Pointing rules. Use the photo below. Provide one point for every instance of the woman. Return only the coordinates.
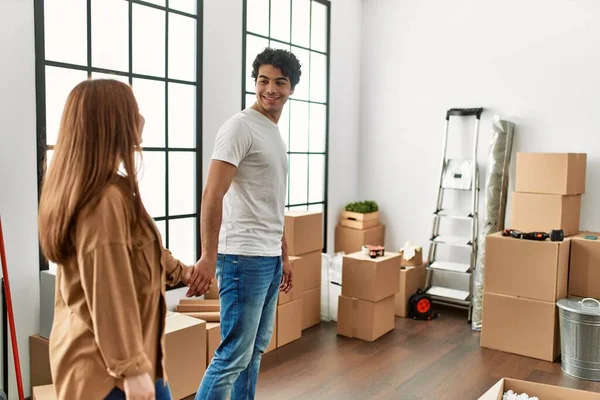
(107, 339)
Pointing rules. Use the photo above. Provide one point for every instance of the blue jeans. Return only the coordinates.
(248, 289)
(162, 392)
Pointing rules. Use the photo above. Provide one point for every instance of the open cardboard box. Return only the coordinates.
(542, 391)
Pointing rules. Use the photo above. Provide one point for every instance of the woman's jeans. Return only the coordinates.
(248, 290)
(162, 392)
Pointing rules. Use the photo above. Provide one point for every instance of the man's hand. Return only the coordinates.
(202, 277)
(139, 387)
(287, 277)
(187, 275)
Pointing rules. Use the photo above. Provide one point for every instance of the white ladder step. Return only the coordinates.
(460, 241)
(454, 214)
(448, 293)
(450, 266)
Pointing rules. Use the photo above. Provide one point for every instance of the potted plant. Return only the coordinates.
(360, 214)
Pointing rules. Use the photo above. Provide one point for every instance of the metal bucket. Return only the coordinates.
(579, 320)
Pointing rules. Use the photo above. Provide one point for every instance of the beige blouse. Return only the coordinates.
(110, 302)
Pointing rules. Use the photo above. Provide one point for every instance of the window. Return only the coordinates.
(155, 46)
(302, 27)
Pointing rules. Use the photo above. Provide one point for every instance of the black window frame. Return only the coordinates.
(327, 53)
(40, 75)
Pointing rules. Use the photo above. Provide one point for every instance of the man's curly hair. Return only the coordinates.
(282, 59)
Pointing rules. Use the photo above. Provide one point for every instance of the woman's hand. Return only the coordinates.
(139, 387)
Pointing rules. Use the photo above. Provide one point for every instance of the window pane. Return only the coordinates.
(49, 155)
(318, 27)
(274, 44)
(188, 6)
(315, 207)
(162, 228)
(298, 178)
(254, 45)
(287, 187)
(110, 34)
(301, 22)
(59, 83)
(301, 90)
(150, 96)
(182, 183)
(148, 41)
(316, 190)
(284, 124)
(318, 77)
(182, 47)
(98, 75)
(151, 179)
(298, 208)
(280, 20)
(318, 124)
(298, 126)
(250, 100)
(157, 2)
(182, 115)
(182, 239)
(257, 16)
(65, 38)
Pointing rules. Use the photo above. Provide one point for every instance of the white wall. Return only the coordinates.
(533, 62)
(18, 177)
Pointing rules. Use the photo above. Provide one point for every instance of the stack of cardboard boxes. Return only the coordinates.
(366, 307)
(412, 277)
(355, 230)
(523, 279)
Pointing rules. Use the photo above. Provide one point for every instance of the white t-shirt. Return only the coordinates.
(254, 205)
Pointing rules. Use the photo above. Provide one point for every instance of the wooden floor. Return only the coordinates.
(438, 359)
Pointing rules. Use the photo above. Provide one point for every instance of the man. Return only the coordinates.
(243, 238)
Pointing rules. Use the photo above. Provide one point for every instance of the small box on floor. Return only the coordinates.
(364, 319)
(520, 326)
(289, 322)
(584, 274)
(311, 308)
(534, 389)
(303, 232)
(349, 240)
(185, 352)
(411, 279)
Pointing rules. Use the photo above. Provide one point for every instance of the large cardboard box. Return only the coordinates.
(411, 279)
(213, 340)
(198, 305)
(545, 212)
(309, 267)
(311, 308)
(289, 322)
(365, 320)
(297, 281)
(185, 352)
(303, 232)
(39, 361)
(351, 240)
(371, 279)
(526, 268)
(584, 275)
(520, 326)
(551, 173)
(539, 390)
(45, 392)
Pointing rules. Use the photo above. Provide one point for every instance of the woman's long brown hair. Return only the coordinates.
(99, 132)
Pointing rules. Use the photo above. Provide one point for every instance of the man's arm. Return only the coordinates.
(288, 273)
(220, 176)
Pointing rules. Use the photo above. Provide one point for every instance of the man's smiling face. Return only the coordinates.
(272, 89)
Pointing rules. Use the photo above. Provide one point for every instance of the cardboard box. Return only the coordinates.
(45, 392)
(526, 268)
(309, 267)
(411, 279)
(289, 322)
(520, 326)
(584, 275)
(371, 279)
(185, 352)
(198, 305)
(365, 320)
(356, 220)
(297, 280)
(39, 361)
(311, 308)
(351, 240)
(542, 391)
(303, 232)
(213, 340)
(551, 173)
(415, 261)
(545, 212)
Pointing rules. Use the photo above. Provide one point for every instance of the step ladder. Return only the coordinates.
(451, 283)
